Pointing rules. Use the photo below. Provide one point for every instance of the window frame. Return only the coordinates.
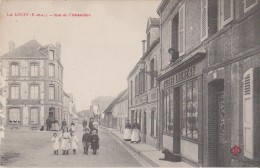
(19, 91)
(53, 74)
(38, 118)
(30, 91)
(18, 68)
(202, 38)
(38, 69)
(51, 97)
(52, 54)
(20, 113)
(246, 9)
(222, 22)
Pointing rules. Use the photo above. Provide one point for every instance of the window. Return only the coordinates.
(173, 42)
(58, 72)
(34, 91)
(14, 69)
(58, 93)
(145, 80)
(51, 54)
(14, 116)
(34, 69)
(140, 120)
(51, 92)
(249, 4)
(189, 115)
(226, 12)
(131, 92)
(15, 91)
(204, 20)
(168, 110)
(34, 116)
(148, 40)
(51, 70)
(152, 123)
(181, 30)
(152, 79)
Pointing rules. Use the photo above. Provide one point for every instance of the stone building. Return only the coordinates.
(143, 86)
(209, 81)
(68, 107)
(34, 87)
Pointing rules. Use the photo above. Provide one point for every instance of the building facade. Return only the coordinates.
(209, 81)
(143, 86)
(68, 107)
(34, 87)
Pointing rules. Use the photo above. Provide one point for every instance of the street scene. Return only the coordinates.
(130, 83)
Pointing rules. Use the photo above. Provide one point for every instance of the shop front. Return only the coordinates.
(181, 105)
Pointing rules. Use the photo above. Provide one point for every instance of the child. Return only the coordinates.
(94, 141)
(65, 143)
(86, 140)
(56, 143)
(74, 142)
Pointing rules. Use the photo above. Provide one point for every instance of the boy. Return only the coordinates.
(86, 140)
(94, 141)
(56, 143)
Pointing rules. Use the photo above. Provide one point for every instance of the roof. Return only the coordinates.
(152, 22)
(124, 97)
(30, 49)
(114, 102)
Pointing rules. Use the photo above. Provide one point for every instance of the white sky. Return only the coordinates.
(97, 52)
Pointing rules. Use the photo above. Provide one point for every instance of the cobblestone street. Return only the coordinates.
(30, 149)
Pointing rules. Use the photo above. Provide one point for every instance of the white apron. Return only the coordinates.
(65, 143)
(135, 135)
(127, 134)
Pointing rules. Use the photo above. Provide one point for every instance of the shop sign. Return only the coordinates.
(179, 77)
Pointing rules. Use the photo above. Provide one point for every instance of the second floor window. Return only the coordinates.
(51, 92)
(15, 91)
(34, 90)
(51, 70)
(14, 69)
(34, 69)
(152, 70)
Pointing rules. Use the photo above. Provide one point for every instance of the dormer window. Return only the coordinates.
(51, 54)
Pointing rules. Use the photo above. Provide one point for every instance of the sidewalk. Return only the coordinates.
(149, 153)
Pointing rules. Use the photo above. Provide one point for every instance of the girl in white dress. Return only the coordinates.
(65, 142)
(74, 142)
(56, 143)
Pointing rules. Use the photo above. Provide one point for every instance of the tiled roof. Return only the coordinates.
(114, 102)
(30, 49)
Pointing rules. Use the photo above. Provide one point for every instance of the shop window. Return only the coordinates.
(168, 111)
(249, 4)
(189, 114)
(34, 69)
(14, 116)
(34, 116)
(34, 91)
(14, 69)
(15, 91)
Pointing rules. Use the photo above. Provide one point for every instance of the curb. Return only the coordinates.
(147, 159)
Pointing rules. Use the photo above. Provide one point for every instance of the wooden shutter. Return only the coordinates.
(204, 20)
(248, 4)
(181, 29)
(227, 12)
(248, 113)
(170, 33)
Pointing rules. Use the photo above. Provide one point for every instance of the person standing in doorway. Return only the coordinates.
(48, 123)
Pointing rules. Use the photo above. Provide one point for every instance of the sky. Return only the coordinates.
(97, 51)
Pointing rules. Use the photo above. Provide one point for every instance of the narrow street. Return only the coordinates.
(34, 149)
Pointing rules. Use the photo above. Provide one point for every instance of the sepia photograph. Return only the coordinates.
(130, 83)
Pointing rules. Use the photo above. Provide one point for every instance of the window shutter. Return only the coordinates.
(227, 12)
(204, 20)
(182, 30)
(170, 33)
(248, 4)
(248, 113)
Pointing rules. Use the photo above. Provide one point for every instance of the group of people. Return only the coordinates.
(68, 140)
(132, 132)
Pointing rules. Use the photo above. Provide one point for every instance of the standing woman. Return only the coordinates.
(135, 134)
(128, 131)
(65, 142)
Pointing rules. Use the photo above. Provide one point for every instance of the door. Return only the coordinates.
(176, 118)
(52, 113)
(220, 109)
(144, 127)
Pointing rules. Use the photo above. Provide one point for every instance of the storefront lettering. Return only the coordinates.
(179, 77)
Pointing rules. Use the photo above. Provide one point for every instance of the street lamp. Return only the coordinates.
(141, 64)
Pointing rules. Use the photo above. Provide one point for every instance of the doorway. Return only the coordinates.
(52, 113)
(176, 119)
(217, 112)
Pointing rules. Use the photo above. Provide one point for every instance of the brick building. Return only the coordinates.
(34, 87)
(209, 80)
(143, 86)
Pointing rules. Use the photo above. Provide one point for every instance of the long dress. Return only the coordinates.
(135, 137)
(74, 142)
(128, 132)
(65, 143)
(56, 143)
(94, 142)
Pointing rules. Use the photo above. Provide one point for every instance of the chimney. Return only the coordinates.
(143, 41)
(11, 46)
